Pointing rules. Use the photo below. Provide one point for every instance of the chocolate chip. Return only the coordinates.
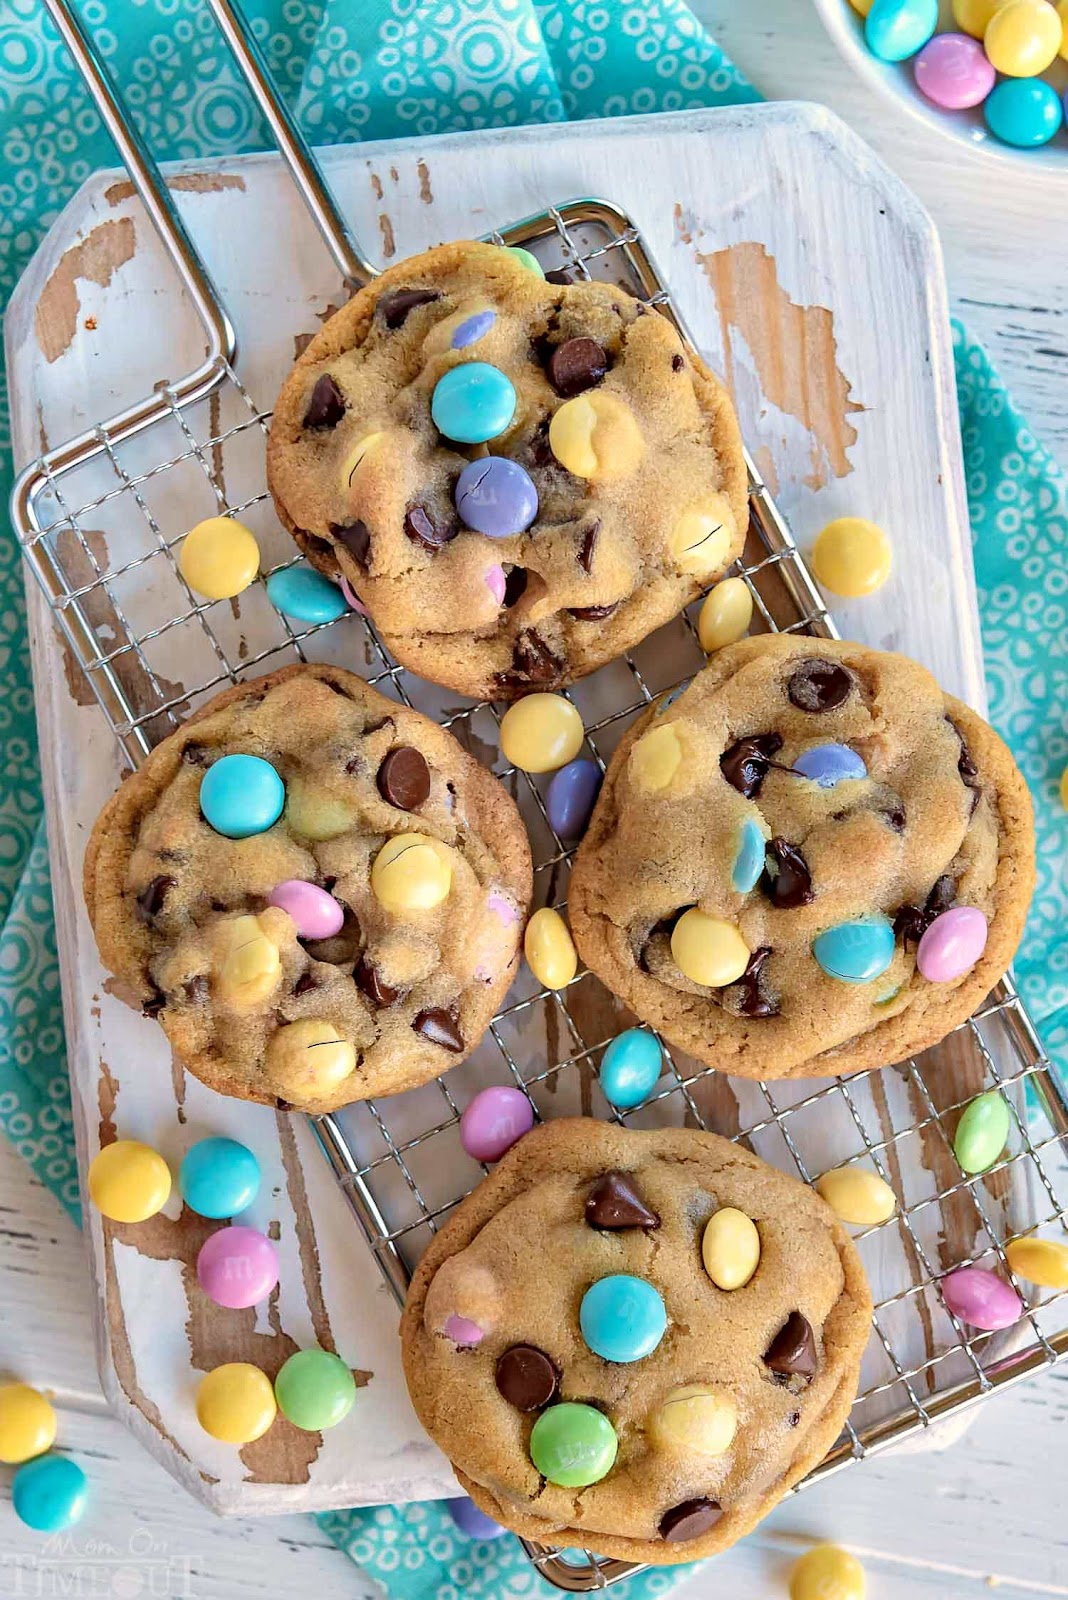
(910, 923)
(526, 1377)
(304, 983)
(792, 1352)
(689, 1520)
(424, 528)
(745, 765)
(196, 755)
(154, 1004)
(818, 685)
(589, 542)
(614, 1203)
(369, 981)
(150, 900)
(677, 363)
(440, 1027)
(749, 996)
(794, 1418)
(327, 404)
(515, 583)
(404, 778)
(539, 449)
(895, 818)
(396, 305)
(196, 989)
(356, 537)
(787, 881)
(576, 365)
(533, 662)
(560, 276)
(592, 613)
(965, 765)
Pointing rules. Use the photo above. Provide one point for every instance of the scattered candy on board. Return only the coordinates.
(953, 71)
(857, 1196)
(470, 1520)
(630, 1067)
(304, 594)
(219, 558)
(237, 1267)
(726, 614)
(315, 1390)
(896, 29)
(541, 732)
(730, 1248)
(622, 1318)
(241, 796)
(571, 796)
(236, 1403)
(550, 949)
(982, 1132)
(218, 1177)
(827, 1573)
(1041, 1261)
(27, 1423)
(1025, 112)
(573, 1445)
(129, 1181)
(981, 1299)
(852, 556)
(49, 1493)
(493, 1121)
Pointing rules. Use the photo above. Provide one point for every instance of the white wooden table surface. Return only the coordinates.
(986, 1515)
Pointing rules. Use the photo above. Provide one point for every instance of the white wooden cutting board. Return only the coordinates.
(810, 277)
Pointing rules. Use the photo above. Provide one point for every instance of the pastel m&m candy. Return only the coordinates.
(982, 1131)
(896, 29)
(473, 403)
(470, 1520)
(725, 615)
(237, 1267)
(695, 1420)
(129, 1181)
(981, 1299)
(953, 71)
(1023, 38)
(49, 1493)
(708, 950)
(972, 16)
(952, 944)
(241, 795)
(622, 1318)
(541, 732)
(1025, 112)
(306, 1060)
(27, 1423)
(218, 1177)
(496, 496)
(472, 328)
(573, 1445)
(306, 595)
(315, 1390)
(595, 436)
(493, 1121)
(748, 856)
(236, 1403)
(827, 1573)
(856, 951)
(550, 949)
(1041, 1261)
(219, 558)
(700, 538)
(411, 872)
(526, 258)
(655, 758)
(249, 963)
(570, 797)
(857, 1196)
(314, 814)
(730, 1248)
(315, 913)
(830, 764)
(852, 556)
(630, 1067)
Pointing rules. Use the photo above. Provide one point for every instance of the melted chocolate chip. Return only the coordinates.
(787, 881)
(196, 755)
(677, 363)
(356, 537)
(440, 1027)
(404, 778)
(396, 305)
(588, 545)
(592, 613)
(745, 765)
(794, 1418)
(424, 528)
(533, 662)
(576, 365)
(614, 1203)
(304, 983)
(196, 989)
(689, 1520)
(792, 1352)
(515, 583)
(909, 925)
(912, 922)
(749, 996)
(560, 276)
(154, 1004)
(369, 981)
(526, 1377)
(150, 900)
(818, 685)
(327, 404)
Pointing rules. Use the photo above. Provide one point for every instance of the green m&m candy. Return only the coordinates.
(982, 1132)
(314, 1390)
(573, 1445)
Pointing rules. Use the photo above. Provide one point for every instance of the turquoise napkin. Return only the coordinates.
(384, 68)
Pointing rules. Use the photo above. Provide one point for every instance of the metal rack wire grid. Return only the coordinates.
(100, 522)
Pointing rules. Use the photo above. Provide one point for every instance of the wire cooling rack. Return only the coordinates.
(100, 519)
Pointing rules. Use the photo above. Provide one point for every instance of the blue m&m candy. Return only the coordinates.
(305, 594)
(856, 952)
(496, 496)
(470, 1520)
(896, 29)
(219, 1177)
(749, 857)
(622, 1318)
(241, 795)
(630, 1067)
(49, 1493)
(472, 403)
(472, 329)
(1025, 112)
(570, 797)
(829, 764)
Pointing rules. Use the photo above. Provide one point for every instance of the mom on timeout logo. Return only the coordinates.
(94, 1569)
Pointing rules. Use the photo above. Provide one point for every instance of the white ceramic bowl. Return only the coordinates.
(895, 80)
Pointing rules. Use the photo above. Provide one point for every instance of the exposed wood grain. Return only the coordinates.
(97, 258)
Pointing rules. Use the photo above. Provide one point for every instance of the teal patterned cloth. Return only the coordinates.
(384, 68)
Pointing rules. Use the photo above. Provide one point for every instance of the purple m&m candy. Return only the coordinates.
(570, 798)
(237, 1267)
(317, 914)
(830, 764)
(472, 329)
(470, 1520)
(981, 1299)
(494, 1121)
(953, 71)
(496, 496)
(952, 944)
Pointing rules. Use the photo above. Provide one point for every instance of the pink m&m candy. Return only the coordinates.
(462, 1331)
(981, 1299)
(495, 582)
(237, 1267)
(952, 944)
(353, 598)
(493, 1122)
(317, 914)
(953, 71)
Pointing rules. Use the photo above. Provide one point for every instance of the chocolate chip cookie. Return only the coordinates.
(318, 894)
(626, 1401)
(520, 479)
(809, 862)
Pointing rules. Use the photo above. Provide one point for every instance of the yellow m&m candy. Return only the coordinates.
(1062, 12)
(725, 615)
(973, 16)
(219, 558)
(314, 814)
(541, 732)
(129, 1181)
(730, 1248)
(307, 1060)
(696, 1420)
(27, 1423)
(828, 1573)
(708, 950)
(1041, 1261)
(595, 436)
(701, 537)
(862, 7)
(236, 1403)
(411, 872)
(356, 457)
(250, 965)
(655, 758)
(858, 1196)
(1023, 38)
(550, 949)
(851, 557)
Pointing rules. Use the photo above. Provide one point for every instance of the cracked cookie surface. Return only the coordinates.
(570, 565)
(810, 861)
(744, 1392)
(358, 945)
